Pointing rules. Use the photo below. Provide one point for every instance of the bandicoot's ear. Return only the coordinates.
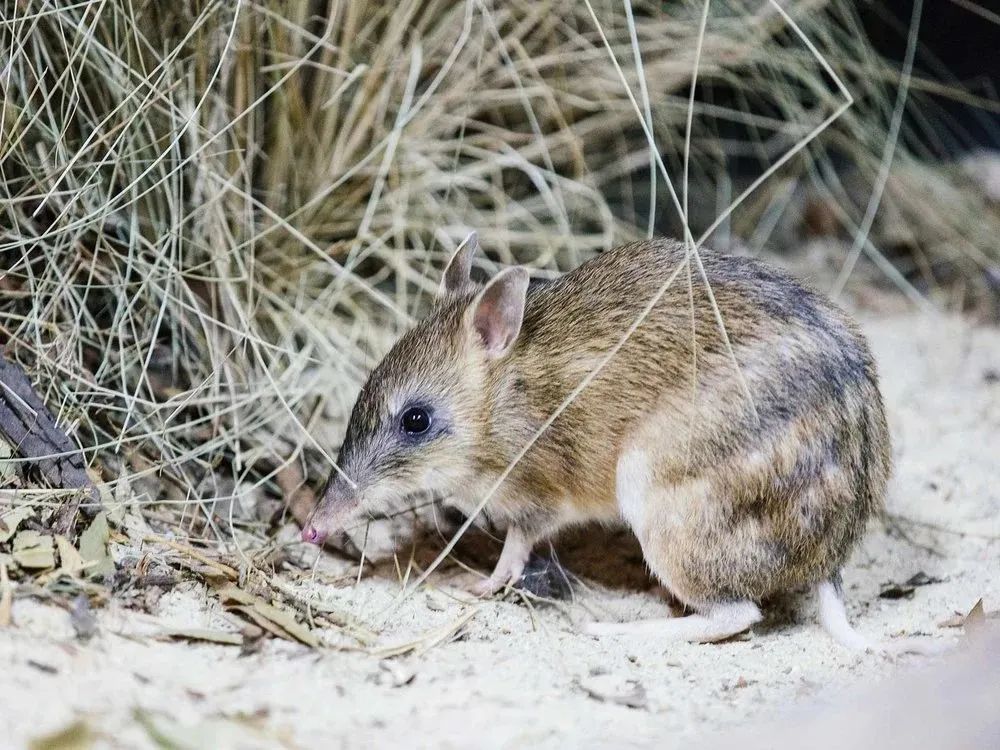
(458, 272)
(498, 310)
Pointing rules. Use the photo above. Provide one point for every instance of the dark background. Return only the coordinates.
(956, 45)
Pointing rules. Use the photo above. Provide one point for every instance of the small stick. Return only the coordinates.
(6, 597)
(32, 431)
(227, 571)
(299, 498)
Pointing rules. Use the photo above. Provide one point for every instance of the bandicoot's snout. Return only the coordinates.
(313, 535)
(335, 509)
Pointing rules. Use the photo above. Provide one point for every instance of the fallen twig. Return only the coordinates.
(32, 432)
(225, 570)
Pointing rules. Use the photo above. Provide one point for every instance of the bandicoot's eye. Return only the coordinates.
(415, 421)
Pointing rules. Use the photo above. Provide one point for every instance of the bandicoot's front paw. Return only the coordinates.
(485, 587)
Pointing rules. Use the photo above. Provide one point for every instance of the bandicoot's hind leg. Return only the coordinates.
(715, 623)
(655, 515)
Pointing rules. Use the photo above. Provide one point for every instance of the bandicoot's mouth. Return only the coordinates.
(313, 535)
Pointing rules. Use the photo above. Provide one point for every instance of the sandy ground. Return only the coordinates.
(516, 675)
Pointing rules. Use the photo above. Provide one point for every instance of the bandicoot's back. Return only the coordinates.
(795, 367)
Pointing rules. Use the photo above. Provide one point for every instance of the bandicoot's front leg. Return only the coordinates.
(510, 566)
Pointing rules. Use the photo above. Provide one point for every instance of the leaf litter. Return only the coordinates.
(279, 622)
(906, 589)
(34, 550)
(77, 735)
(52, 566)
(975, 619)
(245, 732)
(610, 688)
(94, 547)
(12, 519)
(221, 637)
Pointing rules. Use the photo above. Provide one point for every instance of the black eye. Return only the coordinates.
(415, 421)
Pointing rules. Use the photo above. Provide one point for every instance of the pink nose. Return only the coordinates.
(313, 535)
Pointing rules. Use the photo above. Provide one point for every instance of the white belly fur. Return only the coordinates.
(632, 483)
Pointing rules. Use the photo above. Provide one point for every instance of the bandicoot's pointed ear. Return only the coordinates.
(458, 272)
(498, 310)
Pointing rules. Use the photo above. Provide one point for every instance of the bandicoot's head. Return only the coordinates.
(420, 418)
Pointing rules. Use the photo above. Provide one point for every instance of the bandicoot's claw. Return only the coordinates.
(485, 587)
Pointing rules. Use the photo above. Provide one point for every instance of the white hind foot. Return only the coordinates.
(716, 623)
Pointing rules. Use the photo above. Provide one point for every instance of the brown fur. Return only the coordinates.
(744, 499)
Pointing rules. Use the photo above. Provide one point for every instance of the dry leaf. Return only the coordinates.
(975, 621)
(116, 506)
(8, 468)
(896, 591)
(920, 578)
(6, 598)
(235, 594)
(287, 622)
(134, 526)
(94, 547)
(957, 620)
(249, 613)
(12, 519)
(277, 621)
(331, 612)
(33, 550)
(905, 590)
(214, 567)
(610, 688)
(210, 732)
(223, 637)
(74, 736)
(70, 561)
